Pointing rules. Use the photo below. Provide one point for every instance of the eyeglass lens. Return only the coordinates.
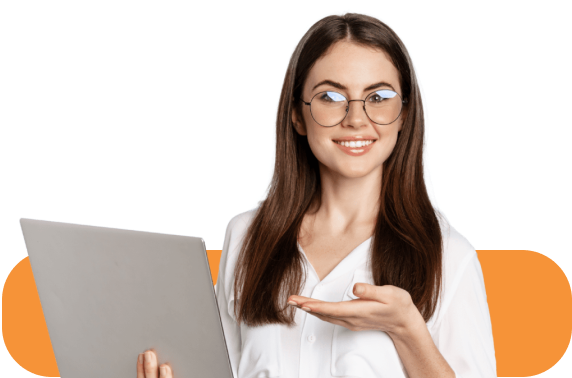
(330, 108)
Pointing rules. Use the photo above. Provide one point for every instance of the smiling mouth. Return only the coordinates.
(354, 144)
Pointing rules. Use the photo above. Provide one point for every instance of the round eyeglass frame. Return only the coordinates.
(403, 102)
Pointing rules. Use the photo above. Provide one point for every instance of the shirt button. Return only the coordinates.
(311, 338)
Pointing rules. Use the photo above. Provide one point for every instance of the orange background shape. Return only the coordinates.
(529, 297)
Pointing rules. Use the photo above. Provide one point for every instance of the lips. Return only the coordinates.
(355, 151)
(356, 137)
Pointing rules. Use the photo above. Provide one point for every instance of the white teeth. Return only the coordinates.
(359, 143)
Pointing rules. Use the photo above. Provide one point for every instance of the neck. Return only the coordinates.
(349, 202)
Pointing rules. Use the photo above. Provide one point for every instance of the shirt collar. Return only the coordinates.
(354, 259)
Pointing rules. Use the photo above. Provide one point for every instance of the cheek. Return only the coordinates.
(319, 137)
(320, 143)
(387, 140)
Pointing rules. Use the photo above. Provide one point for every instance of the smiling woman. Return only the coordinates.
(346, 269)
(357, 71)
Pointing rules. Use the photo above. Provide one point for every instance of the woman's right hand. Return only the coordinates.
(147, 366)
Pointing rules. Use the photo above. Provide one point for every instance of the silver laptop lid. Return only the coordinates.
(109, 294)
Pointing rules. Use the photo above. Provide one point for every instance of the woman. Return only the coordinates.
(346, 269)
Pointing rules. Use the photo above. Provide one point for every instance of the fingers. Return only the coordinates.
(165, 371)
(147, 366)
(140, 369)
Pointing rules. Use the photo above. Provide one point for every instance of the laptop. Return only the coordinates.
(109, 294)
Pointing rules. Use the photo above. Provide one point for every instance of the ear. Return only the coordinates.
(298, 122)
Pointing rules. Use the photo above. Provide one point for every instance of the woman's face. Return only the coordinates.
(354, 71)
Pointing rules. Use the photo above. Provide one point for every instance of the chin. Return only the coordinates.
(356, 172)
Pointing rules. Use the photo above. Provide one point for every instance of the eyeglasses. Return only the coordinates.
(330, 108)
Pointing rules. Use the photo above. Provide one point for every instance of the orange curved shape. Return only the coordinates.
(529, 299)
(530, 303)
(23, 326)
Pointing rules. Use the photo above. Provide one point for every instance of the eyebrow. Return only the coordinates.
(343, 87)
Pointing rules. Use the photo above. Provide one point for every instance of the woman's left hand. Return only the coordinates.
(386, 308)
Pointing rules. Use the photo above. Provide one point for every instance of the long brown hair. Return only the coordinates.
(407, 242)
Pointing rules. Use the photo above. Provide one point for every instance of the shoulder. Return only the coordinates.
(457, 250)
(235, 233)
(233, 239)
(240, 222)
(458, 256)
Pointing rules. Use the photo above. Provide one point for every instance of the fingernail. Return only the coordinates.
(148, 355)
(163, 371)
(306, 309)
(358, 289)
(140, 358)
(293, 303)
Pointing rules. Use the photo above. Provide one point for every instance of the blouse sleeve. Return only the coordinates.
(464, 334)
(225, 296)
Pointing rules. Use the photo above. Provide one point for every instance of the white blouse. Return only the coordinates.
(460, 327)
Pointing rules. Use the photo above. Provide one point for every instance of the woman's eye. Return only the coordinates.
(383, 94)
(331, 97)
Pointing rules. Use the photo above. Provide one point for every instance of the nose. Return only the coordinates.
(356, 117)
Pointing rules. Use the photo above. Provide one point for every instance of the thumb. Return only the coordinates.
(360, 289)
